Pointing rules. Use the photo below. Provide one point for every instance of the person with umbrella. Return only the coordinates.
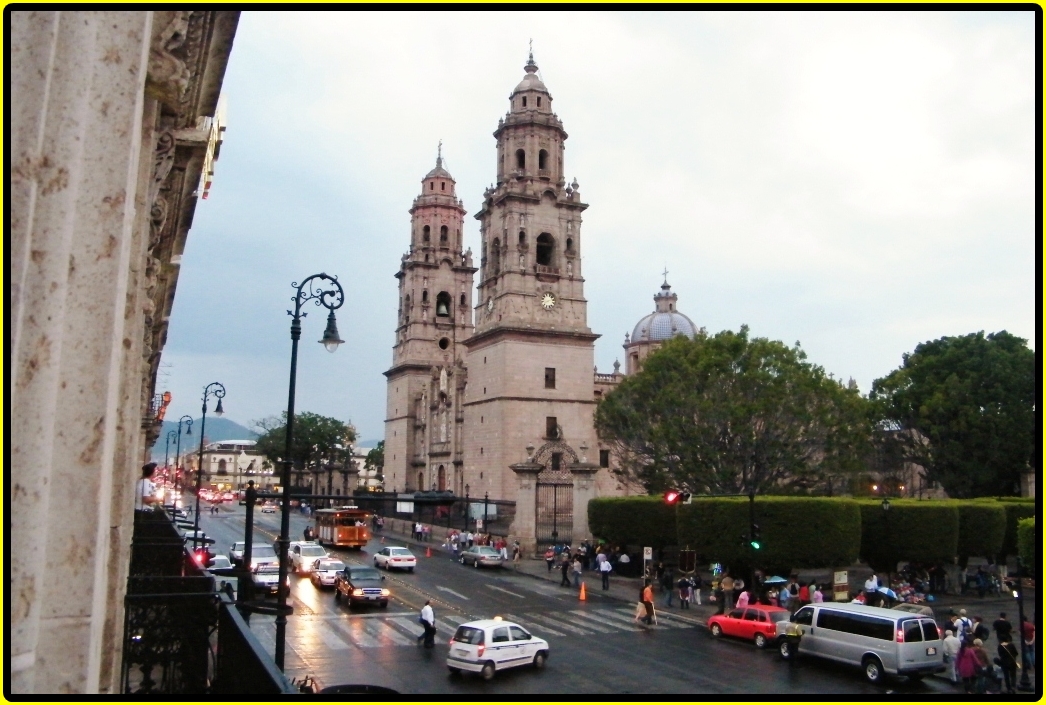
(888, 596)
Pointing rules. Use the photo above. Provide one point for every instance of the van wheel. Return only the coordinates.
(539, 660)
(454, 671)
(915, 677)
(873, 669)
(488, 671)
(785, 649)
(462, 560)
(760, 640)
(717, 631)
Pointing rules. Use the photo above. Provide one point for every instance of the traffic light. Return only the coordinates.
(754, 539)
(672, 496)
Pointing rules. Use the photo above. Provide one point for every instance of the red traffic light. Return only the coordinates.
(671, 497)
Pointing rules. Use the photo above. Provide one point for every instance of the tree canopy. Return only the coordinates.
(968, 403)
(375, 461)
(318, 440)
(728, 414)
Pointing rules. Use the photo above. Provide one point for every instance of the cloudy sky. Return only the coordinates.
(857, 182)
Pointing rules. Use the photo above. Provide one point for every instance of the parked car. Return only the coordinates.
(228, 496)
(490, 645)
(361, 585)
(480, 555)
(303, 554)
(236, 552)
(268, 508)
(266, 577)
(755, 622)
(881, 641)
(219, 562)
(325, 572)
(196, 536)
(395, 557)
(263, 554)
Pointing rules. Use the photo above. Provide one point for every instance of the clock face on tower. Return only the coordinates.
(548, 301)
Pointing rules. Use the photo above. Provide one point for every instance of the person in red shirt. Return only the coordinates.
(804, 594)
(1029, 644)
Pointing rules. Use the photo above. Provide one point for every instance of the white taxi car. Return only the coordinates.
(395, 557)
(490, 645)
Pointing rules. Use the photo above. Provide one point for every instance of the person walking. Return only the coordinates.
(1028, 629)
(1008, 662)
(818, 596)
(963, 626)
(684, 593)
(966, 665)
(577, 571)
(1003, 628)
(695, 588)
(647, 599)
(550, 558)
(517, 555)
(984, 667)
(742, 600)
(668, 585)
(727, 586)
(564, 568)
(428, 621)
(604, 572)
(951, 653)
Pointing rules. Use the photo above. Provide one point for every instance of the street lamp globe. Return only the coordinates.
(331, 340)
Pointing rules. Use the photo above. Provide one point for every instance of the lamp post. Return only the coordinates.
(1018, 594)
(486, 498)
(167, 448)
(187, 420)
(466, 508)
(217, 390)
(324, 290)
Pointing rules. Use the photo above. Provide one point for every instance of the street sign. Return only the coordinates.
(648, 553)
(841, 586)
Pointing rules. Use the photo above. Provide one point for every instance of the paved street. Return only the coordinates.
(595, 646)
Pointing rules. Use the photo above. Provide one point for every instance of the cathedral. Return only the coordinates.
(493, 387)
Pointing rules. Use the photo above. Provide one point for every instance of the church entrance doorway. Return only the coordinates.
(554, 503)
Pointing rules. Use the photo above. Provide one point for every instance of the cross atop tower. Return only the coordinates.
(665, 273)
(439, 154)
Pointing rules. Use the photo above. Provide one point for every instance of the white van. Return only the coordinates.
(880, 641)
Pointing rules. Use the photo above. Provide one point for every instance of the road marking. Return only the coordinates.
(356, 633)
(522, 623)
(456, 619)
(608, 619)
(329, 637)
(541, 619)
(508, 592)
(600, 627)
(382, 615)
(448, 590)
(384, 632)
(407, 626)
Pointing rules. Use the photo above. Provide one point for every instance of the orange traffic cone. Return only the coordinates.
(428, 552)
(582, 596)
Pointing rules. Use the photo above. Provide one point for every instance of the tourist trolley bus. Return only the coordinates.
(343, 526)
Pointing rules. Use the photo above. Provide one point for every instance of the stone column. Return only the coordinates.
(584, 490)
(524, 528)
(78, 95)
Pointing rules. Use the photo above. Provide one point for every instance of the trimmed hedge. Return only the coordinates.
(982, 528)
(1016, 508)
(1028, 545)
(795, 532)
(911, 530)
(635, 521)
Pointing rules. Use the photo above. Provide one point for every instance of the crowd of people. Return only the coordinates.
(969, 661)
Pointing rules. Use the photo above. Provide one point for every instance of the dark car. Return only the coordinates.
(361, 585)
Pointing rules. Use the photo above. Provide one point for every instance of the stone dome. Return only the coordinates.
(530, 82)
(665, 322)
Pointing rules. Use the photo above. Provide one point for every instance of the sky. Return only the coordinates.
(855, 182)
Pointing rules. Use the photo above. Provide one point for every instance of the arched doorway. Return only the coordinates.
(421, 482)
(554, 503)
(441, 478)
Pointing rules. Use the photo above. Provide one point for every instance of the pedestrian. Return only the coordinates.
(668, 585)
(648, 603)
(966, 665)
(980, 629)
(871, 590)
(550, 558)
(471, 539)
(804, 594)
(416, 532)
(818, 596)
(564, 569)
(577, 571)
(1008, 662)
(604, 573)
(517, 555)
(428, 621)
(1003, 628)
(951, 652)
(684, 593)
(727, 586)
(742, 600)
(984, 667)
(695, 588)
(145, 492)
(963, 626)
(1028, 630)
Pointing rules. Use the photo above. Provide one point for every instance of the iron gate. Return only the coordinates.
(555, 513)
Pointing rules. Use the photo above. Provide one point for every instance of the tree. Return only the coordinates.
(968, 403)
(375, 461)
(318, 440)
(729, 414)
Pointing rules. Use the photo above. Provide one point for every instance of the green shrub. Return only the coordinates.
(1028, 544)
(634, 521)
(982, 528)
(911, 530)
(795, 532)
(1016, 508)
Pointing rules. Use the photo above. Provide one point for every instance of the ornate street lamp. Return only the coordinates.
(217, 390)
(187, 420)
(167, 448)
(324, 290)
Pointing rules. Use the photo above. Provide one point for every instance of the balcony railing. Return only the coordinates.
(542, 269)
(180, 635)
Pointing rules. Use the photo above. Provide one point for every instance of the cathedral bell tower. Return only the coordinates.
(531, 357)
(427, 378)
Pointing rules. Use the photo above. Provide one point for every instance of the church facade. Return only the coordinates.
(495, 395)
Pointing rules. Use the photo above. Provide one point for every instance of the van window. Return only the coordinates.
(859, 624)
(912, 631)
(930, 631)
(805, 616)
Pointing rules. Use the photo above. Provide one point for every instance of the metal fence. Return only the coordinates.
(493, 516)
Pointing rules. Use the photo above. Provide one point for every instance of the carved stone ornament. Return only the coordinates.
(163, 162)
(168, 76)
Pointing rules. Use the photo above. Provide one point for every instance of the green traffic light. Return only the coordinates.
(755, 545)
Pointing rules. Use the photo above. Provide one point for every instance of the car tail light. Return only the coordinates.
(900, 636)
(480, 649)
(451, 642)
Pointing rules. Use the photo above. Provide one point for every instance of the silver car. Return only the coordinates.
(325, 572)
(481, 556)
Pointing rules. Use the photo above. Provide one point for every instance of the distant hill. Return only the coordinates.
(367, 444)
(218, 429)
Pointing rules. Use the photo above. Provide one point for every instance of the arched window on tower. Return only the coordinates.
(424, 297)
(426, 234)
(443, 235)
(522, 238)
(524, 101)
(443, 304)
(521, 159)
(464, 302)
(570, 244)
(542, 160)
(546, 248)
(406, 308)
(495, 256)
(441, 476)
(539, 101)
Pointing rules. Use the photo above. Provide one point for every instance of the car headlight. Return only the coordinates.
(357, 592)
(384, 592)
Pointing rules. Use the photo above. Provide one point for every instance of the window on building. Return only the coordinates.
(524, 101)
(221, 466)
(521, 159)
(443, 234)
(425, 296)
(539, 101)
(604, 458)
(546, 247)
(425, 233)
(570, 244)
(543, 159)
(550, 378)
(522, 238)
(557, 461)
(442, 185)
(551, 427)
(463, 301)
(495, 256)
